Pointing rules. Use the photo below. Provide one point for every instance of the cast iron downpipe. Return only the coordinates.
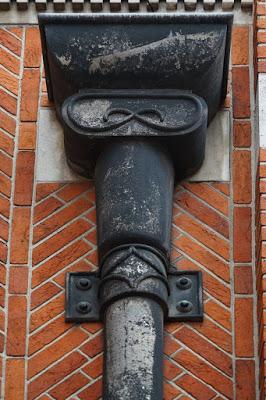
(134, 95)
(134, 185)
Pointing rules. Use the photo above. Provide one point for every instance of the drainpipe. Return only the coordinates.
(134, 95)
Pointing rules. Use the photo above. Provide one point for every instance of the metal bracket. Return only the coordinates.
(82, 304)
(185, 302)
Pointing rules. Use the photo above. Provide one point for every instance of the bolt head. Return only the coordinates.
(184, 306)
(84, 307)
(84, 284)
(184, 283)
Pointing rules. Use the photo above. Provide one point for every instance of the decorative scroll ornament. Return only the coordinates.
(146, 113)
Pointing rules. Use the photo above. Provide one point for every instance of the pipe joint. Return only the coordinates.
(134, 271)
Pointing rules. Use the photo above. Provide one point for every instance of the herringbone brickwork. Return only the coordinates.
(11, 57)
(64, 238)
(48, 229)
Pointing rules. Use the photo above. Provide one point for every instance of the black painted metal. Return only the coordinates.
(77, 295)
(175, 120)
(159, 51)
(134, 94)
(188, 291)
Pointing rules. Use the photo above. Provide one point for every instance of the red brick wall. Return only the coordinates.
(48, 229)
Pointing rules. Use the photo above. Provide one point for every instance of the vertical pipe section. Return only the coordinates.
(134, 350)
(134, 189)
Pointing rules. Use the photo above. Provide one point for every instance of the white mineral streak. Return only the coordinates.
(105, 62)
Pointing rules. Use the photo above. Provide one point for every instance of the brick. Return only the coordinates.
(7, 123)
(55, 374)
(59, 240)
(43, 294)
(10, 42)
(16, 31)
(262, 187)
(95, 368)
(218, 313)
(93, 392)
(44, 209)
(30, 95)
(261, 66)
(47, 312)
(245, 380)
(3, 252)
(262, 154)
(43, 190)
(170, 369)
(195, 387)
(45, 102)
(59, 261)
(20, 235)
(242, 133)
(24, 178)
(16, 330)
(2, 274)
(8, 102)
(8, 81)
(244, 327)
(203, 256)
(240, 45)
(71, 385)
(73, 190)
(261, 51)
(262, 170)
(27, 136)
(6, 143)
(94, 346)
(71, 341)
(44, 86)
(261, 8)
(204, 213)
(215, 334)
(261, 23)
(242, 234)
(2, 304)
(4, 229)
(15, 381)
(202, 347)
(243, 280)
(93, 327)
(92, 236)
(57, 220)
(170, 345)
(6, 164)
(241, 96)
(32, 55)
(170, 391)
(205, 372)
(5, 185)
(261, 37)
(18, 280)
(262, 206)
(202, 234)
(209, 195)
(48, 333)
(9, 61)
(2, 322)
(242, 176)
(93, 258)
